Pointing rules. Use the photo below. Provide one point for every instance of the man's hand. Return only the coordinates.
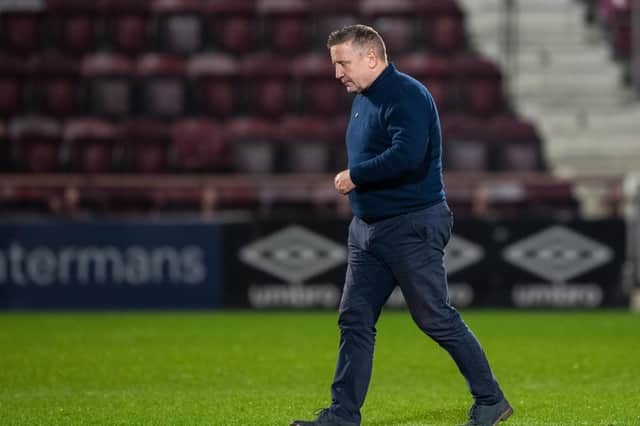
(343, 182)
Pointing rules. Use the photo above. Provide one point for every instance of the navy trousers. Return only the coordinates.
(405, 250)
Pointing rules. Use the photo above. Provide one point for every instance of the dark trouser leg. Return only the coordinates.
(420, 272)
(368, 285)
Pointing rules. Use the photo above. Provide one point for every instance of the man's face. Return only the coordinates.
(353, 66)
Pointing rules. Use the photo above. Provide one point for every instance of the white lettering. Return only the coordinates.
(194, 270)
(283, 296)
(557, 296)
(41, 266)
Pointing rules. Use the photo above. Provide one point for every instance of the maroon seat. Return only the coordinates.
(107, 79)
(180, 27)
(328, 16)
(11, 85)
(126, 25)
(214, 78)
(198, 144)
(481, 83)
(284, 24)
(266, 80)
(145, 144)
(442, 25)
(233, 25)
(162, 82)
(516, 144)
(35, 144)
(465, 145)
(54, 83)
(5, 150)
(435, 73)
(74, 23)
(306, 144)
(320, 92)
(89, 144)
(394, 21)
(20, 31)
(252, 141)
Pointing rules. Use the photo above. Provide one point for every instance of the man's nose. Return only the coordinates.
(339, 73)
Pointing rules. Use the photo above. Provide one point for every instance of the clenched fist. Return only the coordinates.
(343, 182)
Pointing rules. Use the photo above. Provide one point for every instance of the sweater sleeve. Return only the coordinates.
(407, 123)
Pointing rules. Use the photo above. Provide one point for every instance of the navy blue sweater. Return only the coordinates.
(394, 148)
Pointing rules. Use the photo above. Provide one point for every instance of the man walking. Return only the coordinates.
(400, 227)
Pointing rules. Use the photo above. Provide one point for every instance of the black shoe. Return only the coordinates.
(325, 418)
(489, 415)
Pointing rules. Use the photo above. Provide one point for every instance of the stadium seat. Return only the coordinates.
(284, 25)
(233, 25)
(11, 85)
(35, 144)
(465, 146)
(442, 25)
(179, 25)
(319, 91)
(328, 16)
(89, 145)
(480, 81)
(74, 24)
(20, 31)
(214, 80)
(516, 144)
(199, 144)
(53, 83)
(306, 144)
(107, 84)
(395, 22)
(252, 141)
(126, 25)
(434, 72)
(144, 144)
(267, 79)
(161, 79)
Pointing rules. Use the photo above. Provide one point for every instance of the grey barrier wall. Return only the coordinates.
(278, 265)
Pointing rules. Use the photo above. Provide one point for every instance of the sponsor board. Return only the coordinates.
(109, 265)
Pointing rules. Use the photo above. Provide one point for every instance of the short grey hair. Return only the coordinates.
(361, 36)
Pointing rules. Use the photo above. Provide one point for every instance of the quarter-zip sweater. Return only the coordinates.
(394, 148)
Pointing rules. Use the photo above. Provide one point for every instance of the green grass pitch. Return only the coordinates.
(257, 368)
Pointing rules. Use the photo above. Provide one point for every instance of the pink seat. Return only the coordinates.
(54, 83)
(126, 25)
(180, 28)
(306, 144)
(435, 73)
(285, 24)
(145, 144)
(74, 22)
(516, 144)
(442, 25)
(89, 143)
(198, 144)
(20, 31)
(395, 22)
(267, 79)
(162, 83)
(11, 85)
(320, 92)
(481, 83)
(252, 142)
(233, 25)
(108, 83)
(214, 78)
(465, 144)
(35, 144)
(328, 16)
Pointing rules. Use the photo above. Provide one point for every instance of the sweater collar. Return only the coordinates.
(378, 83)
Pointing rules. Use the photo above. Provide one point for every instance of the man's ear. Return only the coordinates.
(372, 58)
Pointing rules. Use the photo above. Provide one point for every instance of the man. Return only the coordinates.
(400, 227)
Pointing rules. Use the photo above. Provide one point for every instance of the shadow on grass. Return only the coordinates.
(442, 416)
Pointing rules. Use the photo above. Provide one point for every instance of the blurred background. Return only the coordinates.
(181, 153)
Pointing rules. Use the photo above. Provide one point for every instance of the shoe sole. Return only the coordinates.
(504, 416)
